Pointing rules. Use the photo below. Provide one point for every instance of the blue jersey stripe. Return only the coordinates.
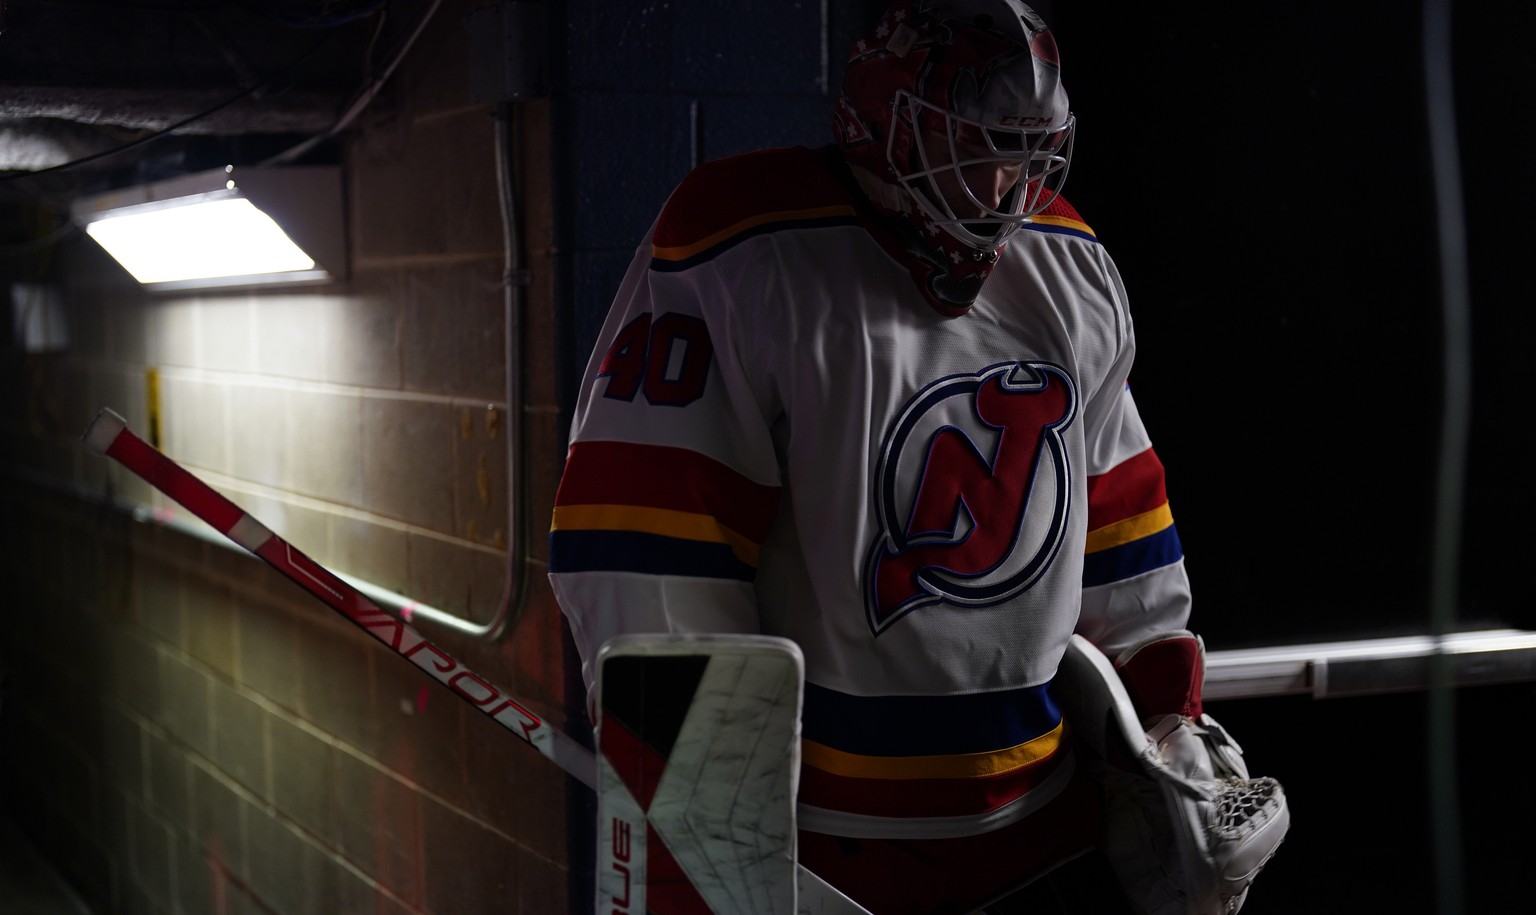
(927, 725)
(1131, 559)
(637, 551)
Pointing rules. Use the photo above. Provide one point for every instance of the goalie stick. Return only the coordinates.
(109, 435)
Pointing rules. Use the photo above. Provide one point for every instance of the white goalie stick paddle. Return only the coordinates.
(109, 435)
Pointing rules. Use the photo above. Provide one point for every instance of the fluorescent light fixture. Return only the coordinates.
(227, 227)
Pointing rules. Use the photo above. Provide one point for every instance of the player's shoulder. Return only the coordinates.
(1061, 218)
(723, 202)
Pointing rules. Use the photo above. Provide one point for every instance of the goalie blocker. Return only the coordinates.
(1186, 828)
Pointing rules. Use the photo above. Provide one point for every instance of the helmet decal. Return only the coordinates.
(1043, 47)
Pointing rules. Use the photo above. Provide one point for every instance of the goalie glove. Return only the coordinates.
(1186, 828)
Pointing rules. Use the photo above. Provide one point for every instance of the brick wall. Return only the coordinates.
(184, 731)
(187, 732)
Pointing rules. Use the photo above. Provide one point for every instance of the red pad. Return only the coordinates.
(668, 890)
(1165, 676)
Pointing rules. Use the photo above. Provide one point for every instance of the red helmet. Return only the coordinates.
(955, 108)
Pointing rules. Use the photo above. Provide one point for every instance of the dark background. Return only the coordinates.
(1264, 184)
(1261, 175)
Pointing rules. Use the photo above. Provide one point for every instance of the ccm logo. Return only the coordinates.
(1019, 120)
(621, 852)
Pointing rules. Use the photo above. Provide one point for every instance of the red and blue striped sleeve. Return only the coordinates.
(1130, 526)
(656, 509)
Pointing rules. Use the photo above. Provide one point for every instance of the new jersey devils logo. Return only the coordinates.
(972, 491)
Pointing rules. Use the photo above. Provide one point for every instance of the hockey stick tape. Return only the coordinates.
(103, 431)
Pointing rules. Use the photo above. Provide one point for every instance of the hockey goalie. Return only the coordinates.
(873, 399)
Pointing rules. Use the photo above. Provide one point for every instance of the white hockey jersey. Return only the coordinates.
(778, 434)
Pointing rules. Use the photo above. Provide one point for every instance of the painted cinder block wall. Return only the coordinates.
(182, 731)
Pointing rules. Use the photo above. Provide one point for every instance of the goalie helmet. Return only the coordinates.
(954, 118)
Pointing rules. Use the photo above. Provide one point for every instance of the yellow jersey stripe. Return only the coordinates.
(967, 765)
(1063, 222)
(663, 521)
(1133, 528)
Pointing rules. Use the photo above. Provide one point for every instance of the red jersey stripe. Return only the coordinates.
(676, 479)
(727, 192)
(1132, 487)
(921, 797)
